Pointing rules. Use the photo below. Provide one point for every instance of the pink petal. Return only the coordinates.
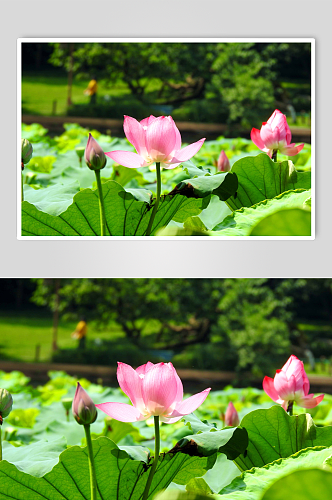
(256, 138)
(169, 166)
(190, 404)
(159, 388)
(309, 401)
(121, 412)
(167, 420)
(268, 386)
(231, 416)
(283, 386)
(135, 134)
(131, 384)
(296, 374)
(147, 120)
(81, 396)
(306, 385)
(179, 391)
(291, 362)
(127, 159)
(141, 370)
(178, 141)
(291, 150)
(274, 116)
(161, 137)
(269, 136)
(187, 152)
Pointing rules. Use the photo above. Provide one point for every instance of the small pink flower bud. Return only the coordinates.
(83, 407)
(94, 156)
(231, 416)
(223, 163)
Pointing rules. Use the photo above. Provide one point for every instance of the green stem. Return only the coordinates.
(101, 205)
(22, 195)
(93, 480)
(290, 408)
(0, 446)
(274, 155)
(155, 208)
(156, 458)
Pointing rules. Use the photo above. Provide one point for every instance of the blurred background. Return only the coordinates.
(218, 88)
(237, 329)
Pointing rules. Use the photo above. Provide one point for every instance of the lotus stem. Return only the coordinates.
(0, 444)
(156, 458)
(274, 155)
(101, 205)
(155, 208)
(93, 479)
(290, 408)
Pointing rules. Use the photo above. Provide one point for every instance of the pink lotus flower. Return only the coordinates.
(231, 416)
(155, 140)
(275, 135)
(223, 163)
(154, 390)
(291, 384)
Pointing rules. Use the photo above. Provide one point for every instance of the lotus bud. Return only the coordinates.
(231, 416)
(94, 156)
(83, 407)
(223, 163)
(26, 153)
(6, 404)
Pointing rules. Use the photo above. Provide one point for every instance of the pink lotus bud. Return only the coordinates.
(154, 390)
(275, 135)
(223, 163)
(231, 416)
(94, 156)
(290, 385)
(83, 408)
(156, 140)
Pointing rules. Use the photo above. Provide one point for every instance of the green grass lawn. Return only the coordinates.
(19, 335)
(39, 92)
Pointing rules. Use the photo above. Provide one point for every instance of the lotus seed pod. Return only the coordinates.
(67, 402)
(6, 403)
(80, 152)
(27, 150)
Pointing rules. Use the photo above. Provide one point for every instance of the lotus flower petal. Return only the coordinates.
(159, 388)
(121, 412)
(268, 386)
(187, 152)
(161, 138)
(309, 401)
(135, 134)
(291, 150)
(190, 404)
(131, 384)
(127, 159)
(256, 138)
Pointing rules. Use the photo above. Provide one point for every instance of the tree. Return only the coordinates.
(236, 79)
